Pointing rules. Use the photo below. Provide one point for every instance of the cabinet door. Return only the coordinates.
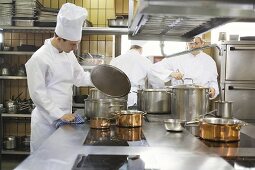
(243, 97)
(240, 61)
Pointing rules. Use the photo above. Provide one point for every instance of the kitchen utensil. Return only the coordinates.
(5, 71)
(110, 80)
(173, 125)
(220, 129)
(130, 118)
(96, 94)
(188, 102)
(100, 123)
(119, 21)
(224, 109)
(10, 142)
(154, 101)
(103, 107)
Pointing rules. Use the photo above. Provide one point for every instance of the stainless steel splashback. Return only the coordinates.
(183, 19)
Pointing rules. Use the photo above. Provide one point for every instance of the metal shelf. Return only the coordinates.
(15, 115)
(86, 30)
(17, 52)
(13, 77)
(15, 152)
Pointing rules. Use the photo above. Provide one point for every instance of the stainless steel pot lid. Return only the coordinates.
(110, 80)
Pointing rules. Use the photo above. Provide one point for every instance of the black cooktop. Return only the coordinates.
(108, 162)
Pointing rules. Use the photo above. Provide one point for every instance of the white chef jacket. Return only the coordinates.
(136, 67)
(51, 76)
(200, 68)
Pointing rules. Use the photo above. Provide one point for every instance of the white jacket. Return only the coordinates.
(51, 76)
(201, 68)
(136, 67)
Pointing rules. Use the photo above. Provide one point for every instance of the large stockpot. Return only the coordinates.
(104, 107)
(154, 101)
(189, 102)
(220, 129)
(130, 118)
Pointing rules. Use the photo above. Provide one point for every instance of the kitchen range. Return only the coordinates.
(149, 147)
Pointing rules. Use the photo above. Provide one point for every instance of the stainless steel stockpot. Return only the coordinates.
(104, 107)
(224, 109)
(96, 94)
(154, 100)
(189, 102)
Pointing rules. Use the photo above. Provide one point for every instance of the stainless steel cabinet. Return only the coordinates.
(243, 97)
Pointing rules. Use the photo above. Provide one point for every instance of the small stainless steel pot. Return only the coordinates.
(10, 142)
(174, 125)
(224, 109)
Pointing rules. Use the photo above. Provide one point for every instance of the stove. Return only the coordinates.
(108, 162)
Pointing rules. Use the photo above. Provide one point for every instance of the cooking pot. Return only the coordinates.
(220, 129)
(96, 94)
(119, 21)
(130, 118)
(224, 109)
(10, 142)
(154, 101)
(188, 102)
(103, 107)
(129, 134)
(100, 123)
(11, 106)
(5, 71)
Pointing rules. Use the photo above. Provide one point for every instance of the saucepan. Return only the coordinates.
(130, 118)
(224, 109)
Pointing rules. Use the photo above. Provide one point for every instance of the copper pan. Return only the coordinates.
(130, 118)
(219, 129)
(129, 134)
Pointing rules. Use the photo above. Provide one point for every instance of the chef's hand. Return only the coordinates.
(69, 117)
(211, 92)
(177, 75)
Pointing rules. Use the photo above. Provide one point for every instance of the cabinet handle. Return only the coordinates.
(241, 48)
(240, 88)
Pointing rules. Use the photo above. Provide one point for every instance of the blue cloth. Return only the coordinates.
(77, 120)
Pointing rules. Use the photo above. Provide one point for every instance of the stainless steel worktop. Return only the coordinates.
(165, 151)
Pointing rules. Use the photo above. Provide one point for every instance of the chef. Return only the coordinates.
(193, 68)
(51, 73)
(136, 67)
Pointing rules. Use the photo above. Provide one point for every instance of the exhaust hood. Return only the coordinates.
(181, 20)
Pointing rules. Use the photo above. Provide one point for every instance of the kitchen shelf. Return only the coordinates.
(15, 152)
(15, 115)
(13, 77)
(86, 30)
(17, 52)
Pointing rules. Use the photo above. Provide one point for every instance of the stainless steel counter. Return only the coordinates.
(165, 151)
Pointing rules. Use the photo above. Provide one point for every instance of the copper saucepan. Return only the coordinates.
(220, 129)
(100, 123)
(130, 118)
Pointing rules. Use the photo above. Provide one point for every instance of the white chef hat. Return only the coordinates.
(138, 42)
(70, 20)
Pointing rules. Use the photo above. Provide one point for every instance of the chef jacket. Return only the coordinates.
(51, 76)
(200, 68)
(136, 67)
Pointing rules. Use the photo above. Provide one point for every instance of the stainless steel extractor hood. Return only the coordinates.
(180, 20)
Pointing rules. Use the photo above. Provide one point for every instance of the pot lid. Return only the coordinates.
(110, 80)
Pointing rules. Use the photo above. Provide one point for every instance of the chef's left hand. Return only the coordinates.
(211, 92)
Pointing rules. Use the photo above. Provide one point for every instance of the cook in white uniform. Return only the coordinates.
(195, 67)
(136, 67)
(51, 73)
